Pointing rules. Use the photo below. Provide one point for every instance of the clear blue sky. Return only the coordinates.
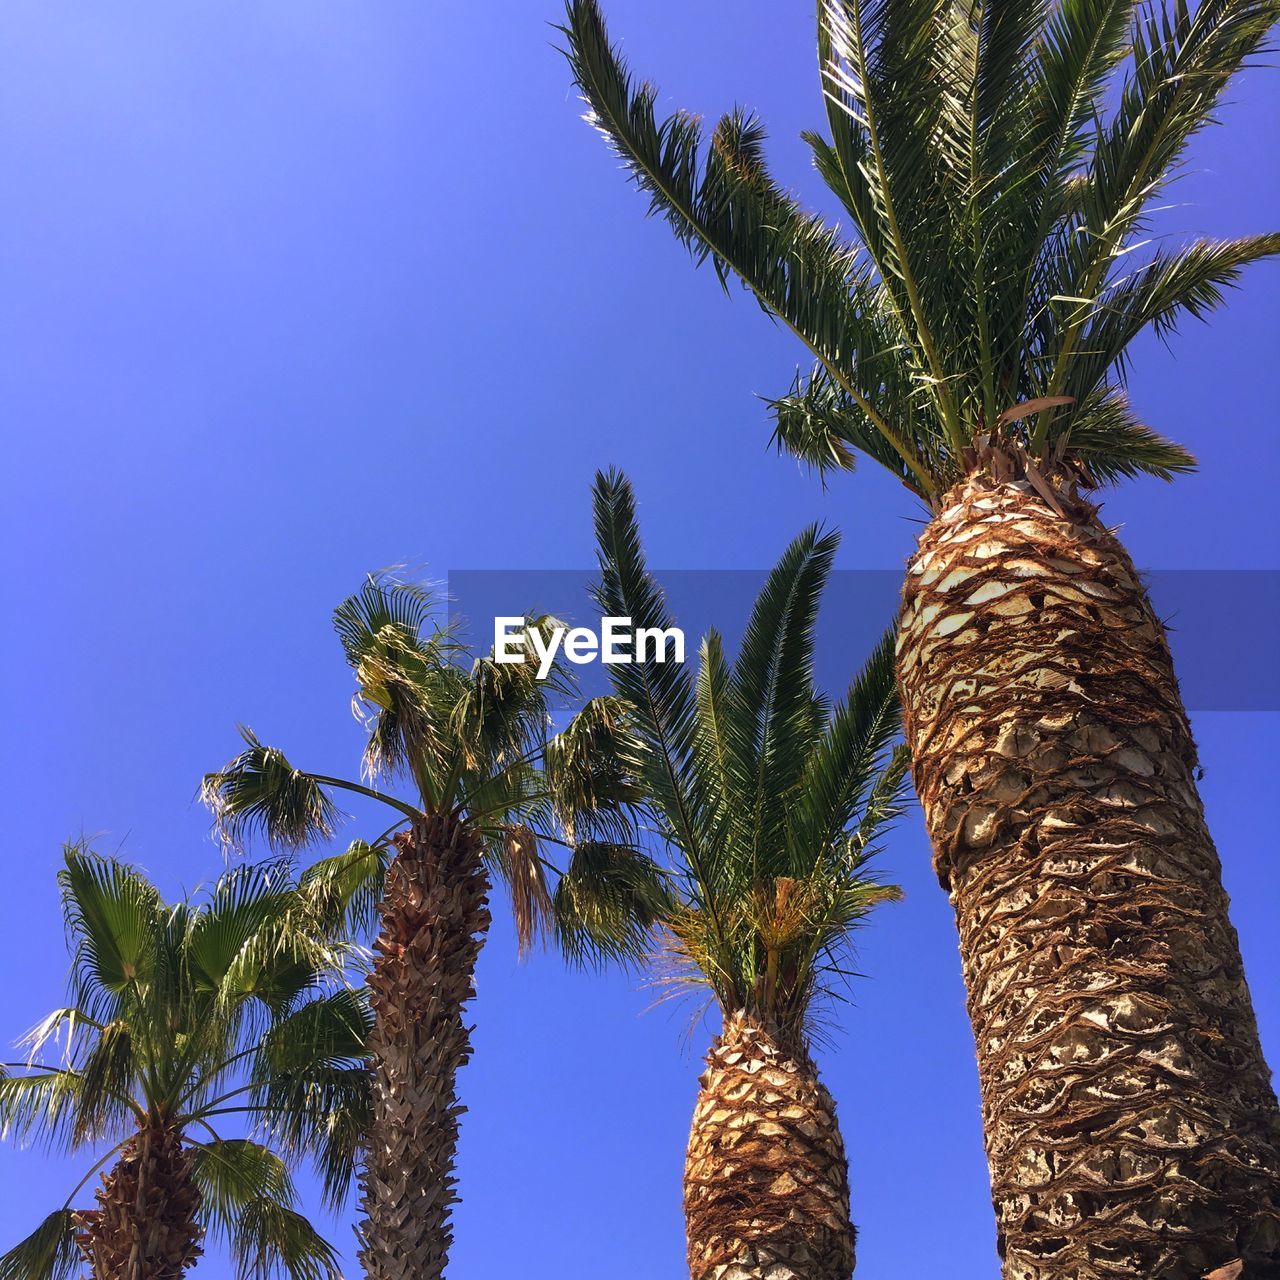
(293, 290)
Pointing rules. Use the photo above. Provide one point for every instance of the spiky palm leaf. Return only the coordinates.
(998, 162)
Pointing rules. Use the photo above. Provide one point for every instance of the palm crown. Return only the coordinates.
(998, 160)
(474, 739)
(185, 1016)
(770, 797)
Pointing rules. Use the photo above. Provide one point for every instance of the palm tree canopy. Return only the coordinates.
(997, 160)
(771, 798)
(223, 1006)
(472, 737)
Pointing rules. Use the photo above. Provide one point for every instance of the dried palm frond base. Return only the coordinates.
(145, 1225)
(766, 1191)
(434, 919)
(1130, 1122)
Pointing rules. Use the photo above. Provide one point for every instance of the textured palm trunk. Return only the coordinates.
(434, 917)
(766, 1183)
(1131, 1126)
(145, 1225)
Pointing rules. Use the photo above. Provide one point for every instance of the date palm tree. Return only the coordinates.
(770, 801)
(997, 161)
(491, 786)
(184, 1018)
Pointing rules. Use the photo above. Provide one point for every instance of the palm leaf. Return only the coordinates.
(48, 1253)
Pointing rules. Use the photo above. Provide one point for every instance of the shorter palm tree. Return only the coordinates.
(771, 801)
(491, 785)
(184, 1018)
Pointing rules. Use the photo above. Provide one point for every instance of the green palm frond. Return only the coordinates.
(312, 1084)
(232, 1173)
(1111, 442)
(774, 714)
(42, 1103)
(850, 759)
(999, 162)
(768, 801)
(273, 1239)
(345, 889)
(608, 902)
(48, 1253)
(259, 792)
(111, 914)
(589, 770)
(724, 207)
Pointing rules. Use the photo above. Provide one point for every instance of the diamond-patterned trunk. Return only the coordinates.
(434, 917)
(144, 1227)
(766, 1184)
(1131, 1126)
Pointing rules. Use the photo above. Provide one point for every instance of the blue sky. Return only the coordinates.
(295, 290)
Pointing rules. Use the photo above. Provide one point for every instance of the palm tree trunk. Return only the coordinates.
(434, 917)
(766, 1183)
(1131, 1126)
(145, 1225)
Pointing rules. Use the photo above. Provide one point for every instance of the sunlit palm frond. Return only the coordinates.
(345, 889)
(111, 913)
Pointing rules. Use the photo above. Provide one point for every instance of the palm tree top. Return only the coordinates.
(998, 161)
(770, 799)
(473, 739)
(226, 1007)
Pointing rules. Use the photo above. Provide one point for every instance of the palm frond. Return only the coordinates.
(724, 207)
(260, 793)
(346, 888)
(272, 1239)
(48, 1253)
(589, 768)
(850, 758)
(608, 902)
(520, 865)
(772, 719)
(111, 913)
(39, 1106)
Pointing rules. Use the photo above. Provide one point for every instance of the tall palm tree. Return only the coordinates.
(491, 786)
(770, 800)
(997, 160)
(183, 1018)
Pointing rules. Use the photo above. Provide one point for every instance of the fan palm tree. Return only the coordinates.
(770, 800)
(184, 1017)
(997, 160)
(491, 786)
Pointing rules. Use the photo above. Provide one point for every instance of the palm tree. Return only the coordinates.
(997, 160)
(183, 1017)
(771, 801)
(492, 786)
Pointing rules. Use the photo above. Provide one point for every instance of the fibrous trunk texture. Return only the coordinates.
(1131, 1126)
(145, 1225)
(766, 1184)
(434, 917)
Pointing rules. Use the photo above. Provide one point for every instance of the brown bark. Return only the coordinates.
(434, 916)
(766, 1190)
(145, 1225)
(1131, 1126)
